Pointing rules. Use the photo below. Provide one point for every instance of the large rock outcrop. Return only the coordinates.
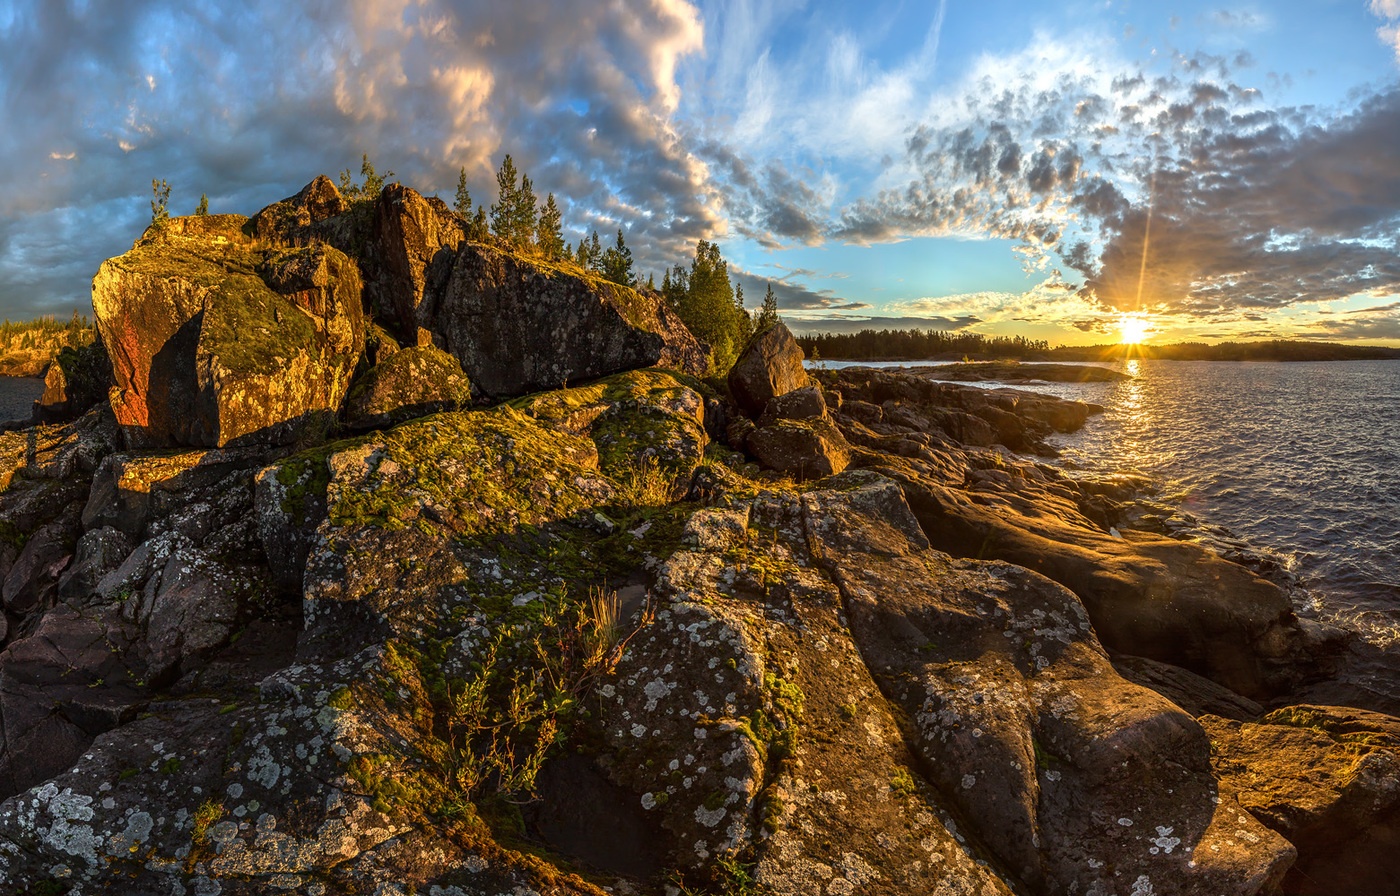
(521, 326)
(413, 241)
(769, 366)
(217, 341)
(516, 324)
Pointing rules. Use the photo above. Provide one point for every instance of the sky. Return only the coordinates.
(1224, 170)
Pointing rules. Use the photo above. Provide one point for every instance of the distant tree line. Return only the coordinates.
(916, 344)
(942, 345)
(1270, 350)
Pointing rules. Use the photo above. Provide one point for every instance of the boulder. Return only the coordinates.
(806, 403)
(217, 340)
(413, 240)
(77, 379)
(769, 366)
(283, 222)
(1328, 779)
(412, 382)
(519, 326)
(804, 449)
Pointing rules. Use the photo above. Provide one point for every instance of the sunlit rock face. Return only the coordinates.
(794, 434)
(769, 366)
(412, 382)
(217, 340)
(1328, 779)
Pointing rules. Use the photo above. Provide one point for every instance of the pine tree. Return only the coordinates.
(767, 315)
(616, 263)
(549, 236)
(161, 199)
(203, 208)
(480, 229)
(463, 205)
(524, 217)
(507, 195)
(704, 299)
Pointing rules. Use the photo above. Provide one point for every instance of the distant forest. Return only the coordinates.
(940, 345)
(920, 345)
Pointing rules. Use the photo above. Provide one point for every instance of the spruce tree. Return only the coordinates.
(549, 236)
(507, 195)
(203, 208)
(768, 314)
(595, 253)
(617, 263)
(524, 217)
(463, 205)
(706, 306)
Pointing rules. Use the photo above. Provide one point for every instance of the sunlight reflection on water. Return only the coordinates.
(1302, 459)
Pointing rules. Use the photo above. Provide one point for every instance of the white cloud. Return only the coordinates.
(256, 98)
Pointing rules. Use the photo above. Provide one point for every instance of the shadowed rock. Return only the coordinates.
(769, 366)
(519, 326)
(412, 382)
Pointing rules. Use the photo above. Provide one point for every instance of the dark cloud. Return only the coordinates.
(846, 324)
(791, 295)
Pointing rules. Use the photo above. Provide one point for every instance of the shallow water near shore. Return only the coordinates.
(1299, 458)
(1302, 460)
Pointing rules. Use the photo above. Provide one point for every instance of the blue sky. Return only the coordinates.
(995, 166)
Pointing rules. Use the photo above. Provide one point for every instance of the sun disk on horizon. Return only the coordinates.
(1133, 328)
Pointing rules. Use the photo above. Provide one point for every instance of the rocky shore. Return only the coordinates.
(397, 563)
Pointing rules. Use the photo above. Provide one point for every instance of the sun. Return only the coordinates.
(1133, 328)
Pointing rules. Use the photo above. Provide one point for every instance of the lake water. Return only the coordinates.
(1302, 459)
(17, 396)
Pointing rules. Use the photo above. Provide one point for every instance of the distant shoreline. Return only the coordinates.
(1394, 356)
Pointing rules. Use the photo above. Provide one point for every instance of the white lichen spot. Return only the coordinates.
(1126, 822)
(969, 781)
(709, 817)
(1165, 841)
